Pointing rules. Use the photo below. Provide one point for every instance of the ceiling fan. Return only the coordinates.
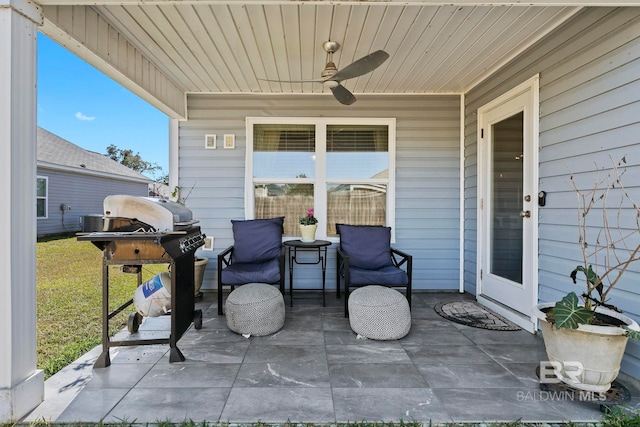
(331, 77)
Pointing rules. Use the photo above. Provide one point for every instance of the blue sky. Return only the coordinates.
(84, 106)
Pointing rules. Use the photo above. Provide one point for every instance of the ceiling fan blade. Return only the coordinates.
(343, 95)
(362, 66)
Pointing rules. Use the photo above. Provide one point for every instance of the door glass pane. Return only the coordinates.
(507, 150)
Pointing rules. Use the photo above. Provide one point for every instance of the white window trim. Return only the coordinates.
(320, 189)
(46, 198)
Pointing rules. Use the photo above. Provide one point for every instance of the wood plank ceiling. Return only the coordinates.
(230, 48)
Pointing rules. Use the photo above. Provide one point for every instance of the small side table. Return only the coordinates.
(320, 246)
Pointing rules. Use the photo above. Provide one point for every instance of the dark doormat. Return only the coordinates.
(471, 313)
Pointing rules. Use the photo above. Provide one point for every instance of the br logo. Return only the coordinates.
(551, 371)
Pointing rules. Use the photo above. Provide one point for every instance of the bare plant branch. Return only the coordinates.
(614, 248)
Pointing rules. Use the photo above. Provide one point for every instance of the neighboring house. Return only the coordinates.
(73, 182)
(563, 82)
(159, 190)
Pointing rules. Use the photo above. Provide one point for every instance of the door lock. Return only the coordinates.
(525, 214)
(542, 198)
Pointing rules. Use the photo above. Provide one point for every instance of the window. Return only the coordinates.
(42, 189)
(343, 168)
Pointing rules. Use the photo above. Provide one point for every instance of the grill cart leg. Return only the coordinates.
(197, 319)
(104, 360)
(176, 355)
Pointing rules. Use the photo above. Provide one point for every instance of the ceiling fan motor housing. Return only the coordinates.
(329, 70)
(330, 47)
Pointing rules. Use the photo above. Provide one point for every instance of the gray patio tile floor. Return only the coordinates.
(316, 370)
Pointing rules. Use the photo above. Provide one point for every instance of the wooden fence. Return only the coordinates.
(356, 207)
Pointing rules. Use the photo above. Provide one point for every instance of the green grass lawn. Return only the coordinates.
(69, 299)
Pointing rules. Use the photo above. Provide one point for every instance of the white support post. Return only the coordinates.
(174, 153)
(21, 383)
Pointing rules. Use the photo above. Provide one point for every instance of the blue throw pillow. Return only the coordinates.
(257, 240)
(368, 246)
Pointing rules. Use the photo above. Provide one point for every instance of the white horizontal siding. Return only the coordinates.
(589, 114)
(427, 171)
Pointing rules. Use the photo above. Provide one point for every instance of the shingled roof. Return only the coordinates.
(56, 152)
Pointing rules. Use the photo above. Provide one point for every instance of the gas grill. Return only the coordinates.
(146, 230)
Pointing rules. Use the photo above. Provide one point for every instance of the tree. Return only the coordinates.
(299, 189)
(163, 179)
(130, 160)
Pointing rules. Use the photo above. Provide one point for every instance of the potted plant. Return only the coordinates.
(308, 226)
(199, 266)
(585, 337)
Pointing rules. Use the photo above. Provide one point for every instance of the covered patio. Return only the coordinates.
(315, 370)
(567, 72)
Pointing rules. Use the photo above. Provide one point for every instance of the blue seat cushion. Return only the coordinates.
(386, 276)
(256, 240)
(368, 247)
(240, 273)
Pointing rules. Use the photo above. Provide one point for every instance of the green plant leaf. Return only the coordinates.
(634, 335)
(569, 315)
(593, 280)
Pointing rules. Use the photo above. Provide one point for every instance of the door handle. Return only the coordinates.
(525, 214)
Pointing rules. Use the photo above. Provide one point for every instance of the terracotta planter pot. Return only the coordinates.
(199, 266)
(592, 353)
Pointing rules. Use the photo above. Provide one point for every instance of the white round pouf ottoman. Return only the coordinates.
(255, 309)
(379, 313)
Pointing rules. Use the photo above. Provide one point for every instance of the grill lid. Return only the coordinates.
(162, 215)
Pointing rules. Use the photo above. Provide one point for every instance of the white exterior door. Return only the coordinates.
(508, 204)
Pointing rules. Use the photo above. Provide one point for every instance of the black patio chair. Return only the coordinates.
(365, 257)
(256, 256)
